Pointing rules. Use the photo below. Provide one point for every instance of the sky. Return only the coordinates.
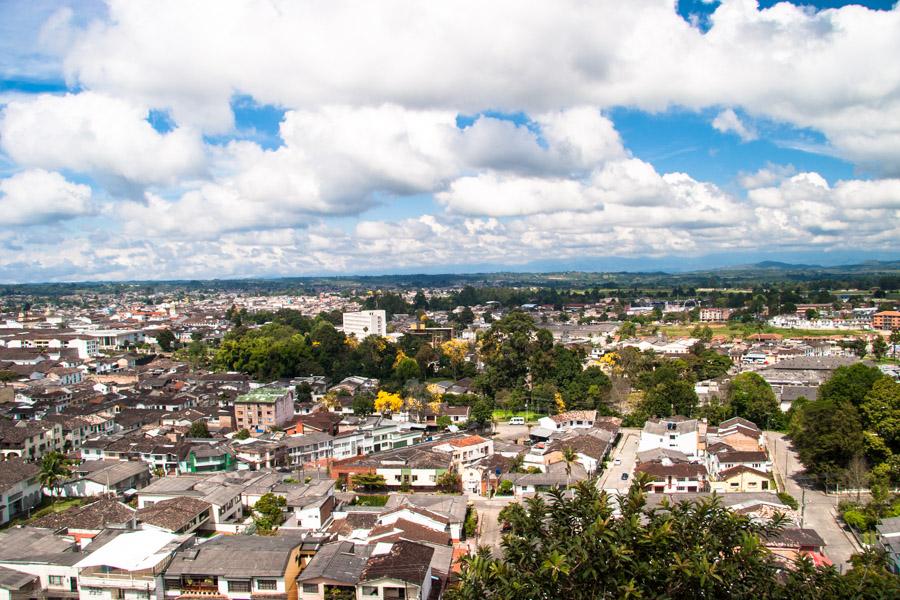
(163, 139)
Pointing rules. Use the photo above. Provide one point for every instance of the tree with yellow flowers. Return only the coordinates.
(560, 403)
(455, 351)
(386, 402)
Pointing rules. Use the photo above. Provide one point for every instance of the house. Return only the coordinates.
(176, 515)
(128, 566)
(336, 567)
(30, 440)
(741, 479)
(675, 433)
(309, 448)
(206, 458)
(264, 408)
(888, 532)
(48, 556)
(591, 447)
(557, 475)
(414, 467)
(668, 478)
(20, 488)
(737, 433)
(223, 497)
(467, 449)
(790, 544)
(312, 504)
(15, 585)
(568, 420)
(87, 521)
(101, 477)
(448, 510)
(237, 567)
(399, 570)
(723, 457)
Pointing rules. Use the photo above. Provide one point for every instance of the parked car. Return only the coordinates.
(624, 476)
(617, 462)
(517, 421)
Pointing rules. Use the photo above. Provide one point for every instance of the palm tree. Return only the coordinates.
(54, 468)
(570, 458)
(518, 463)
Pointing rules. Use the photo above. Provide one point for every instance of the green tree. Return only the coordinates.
(879, 347)
(481, 413)
(166, 340)
(827, 435)
(573, 548)
(407, 369)
(363, 404)
(55, 468)
(751, 397)
(670, 398)
(895, 342)
(850, 384)
(243, 434)
(368, 482)
(268, 513)
(199, 429)
(449, 482)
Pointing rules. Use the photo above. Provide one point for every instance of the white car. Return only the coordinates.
(517, 421)
(617, 462)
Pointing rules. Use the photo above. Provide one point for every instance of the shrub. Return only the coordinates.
(788, 500)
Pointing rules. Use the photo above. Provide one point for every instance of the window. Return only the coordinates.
(56, 580)
(238, 586)
(310, 588)
(671, 437)
(266, 584)
(369, 590)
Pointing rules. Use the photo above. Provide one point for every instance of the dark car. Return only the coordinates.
(624, 476)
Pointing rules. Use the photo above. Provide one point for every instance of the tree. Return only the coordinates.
(570, 458)
(827, 435)
(879, 347)
(895, 342)
(670, 398)
(455, 351)
(573, 548)
(449, 482)
(751, 397)
(268, 513)
(243, 434)
(55, 468)
(166, 340)
(387, 402)
(481, 413)
(199, 429)
(7, 376)
(369, 482)
(850, 384)
(363, 404)
(627, 330)
(407, 369)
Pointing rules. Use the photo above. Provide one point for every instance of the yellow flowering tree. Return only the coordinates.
(455, 351)
(387, 402)
(560, 403)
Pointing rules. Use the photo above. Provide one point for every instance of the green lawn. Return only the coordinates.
(739, 330)
(502, 416)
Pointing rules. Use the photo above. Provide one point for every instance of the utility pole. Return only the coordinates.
(802, 507)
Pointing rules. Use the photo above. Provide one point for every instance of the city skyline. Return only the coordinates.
(172, 140)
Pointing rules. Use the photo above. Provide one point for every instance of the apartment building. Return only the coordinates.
(264, 408)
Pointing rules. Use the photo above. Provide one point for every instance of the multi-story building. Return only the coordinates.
(713, 314)
(365, 323)
(20, 489)
(264, 408)
(673, 433)
(886, 320)
(30, 440)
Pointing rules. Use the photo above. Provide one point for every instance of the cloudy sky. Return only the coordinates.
(169, 139)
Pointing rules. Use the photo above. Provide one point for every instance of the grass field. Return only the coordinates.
(502, 416)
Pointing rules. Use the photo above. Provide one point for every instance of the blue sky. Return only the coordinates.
(164, 139)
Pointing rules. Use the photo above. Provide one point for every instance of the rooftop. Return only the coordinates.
(263, 395)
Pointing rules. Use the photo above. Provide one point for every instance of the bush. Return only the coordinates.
(856, 520)
(471, 524)
(505, 488)
(788, 500)
(370, 500)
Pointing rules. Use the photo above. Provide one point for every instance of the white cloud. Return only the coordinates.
(534, 57)
(766, 176)
(727, 121)
(97, 134)
(36, 197)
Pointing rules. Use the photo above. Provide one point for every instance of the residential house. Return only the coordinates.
(466, 450)
(30, 440)
(237, 568)
(223, 496)
(675, 433)
(130, 566)
(336, 567)
(397, 571)
(20, 488)
(87, 521)
(671, 477)
(888, 535)
(48, 556)
(176, 515)
(102, 477)
(309, 448)
(568, 420)
(741, 479)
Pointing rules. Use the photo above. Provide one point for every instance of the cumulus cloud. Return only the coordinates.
(506, 55)
(98, 134)
(727, 121)
(36, 197)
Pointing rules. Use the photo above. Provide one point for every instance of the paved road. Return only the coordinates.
(626, 451)
(489, 533)
(818, 509)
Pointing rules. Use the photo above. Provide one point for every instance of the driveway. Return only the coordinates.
(818, 509)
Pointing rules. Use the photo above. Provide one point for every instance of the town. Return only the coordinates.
(186, 442)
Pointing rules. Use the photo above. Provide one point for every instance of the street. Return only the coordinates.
(818, 509)
(626, 451)
(488, 526)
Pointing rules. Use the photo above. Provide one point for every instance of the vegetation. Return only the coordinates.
(470, 526)
(55, 469)
(368, 482)
(449, 482)
(574, 548)
(853, 423)
(370, 500)
(200, 430)
(788, 500)
(268, 513)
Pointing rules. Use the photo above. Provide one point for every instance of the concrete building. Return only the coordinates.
(365, 323)
(264, 408)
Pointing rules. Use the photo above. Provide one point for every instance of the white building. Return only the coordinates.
(365, 323)
(672, 433)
